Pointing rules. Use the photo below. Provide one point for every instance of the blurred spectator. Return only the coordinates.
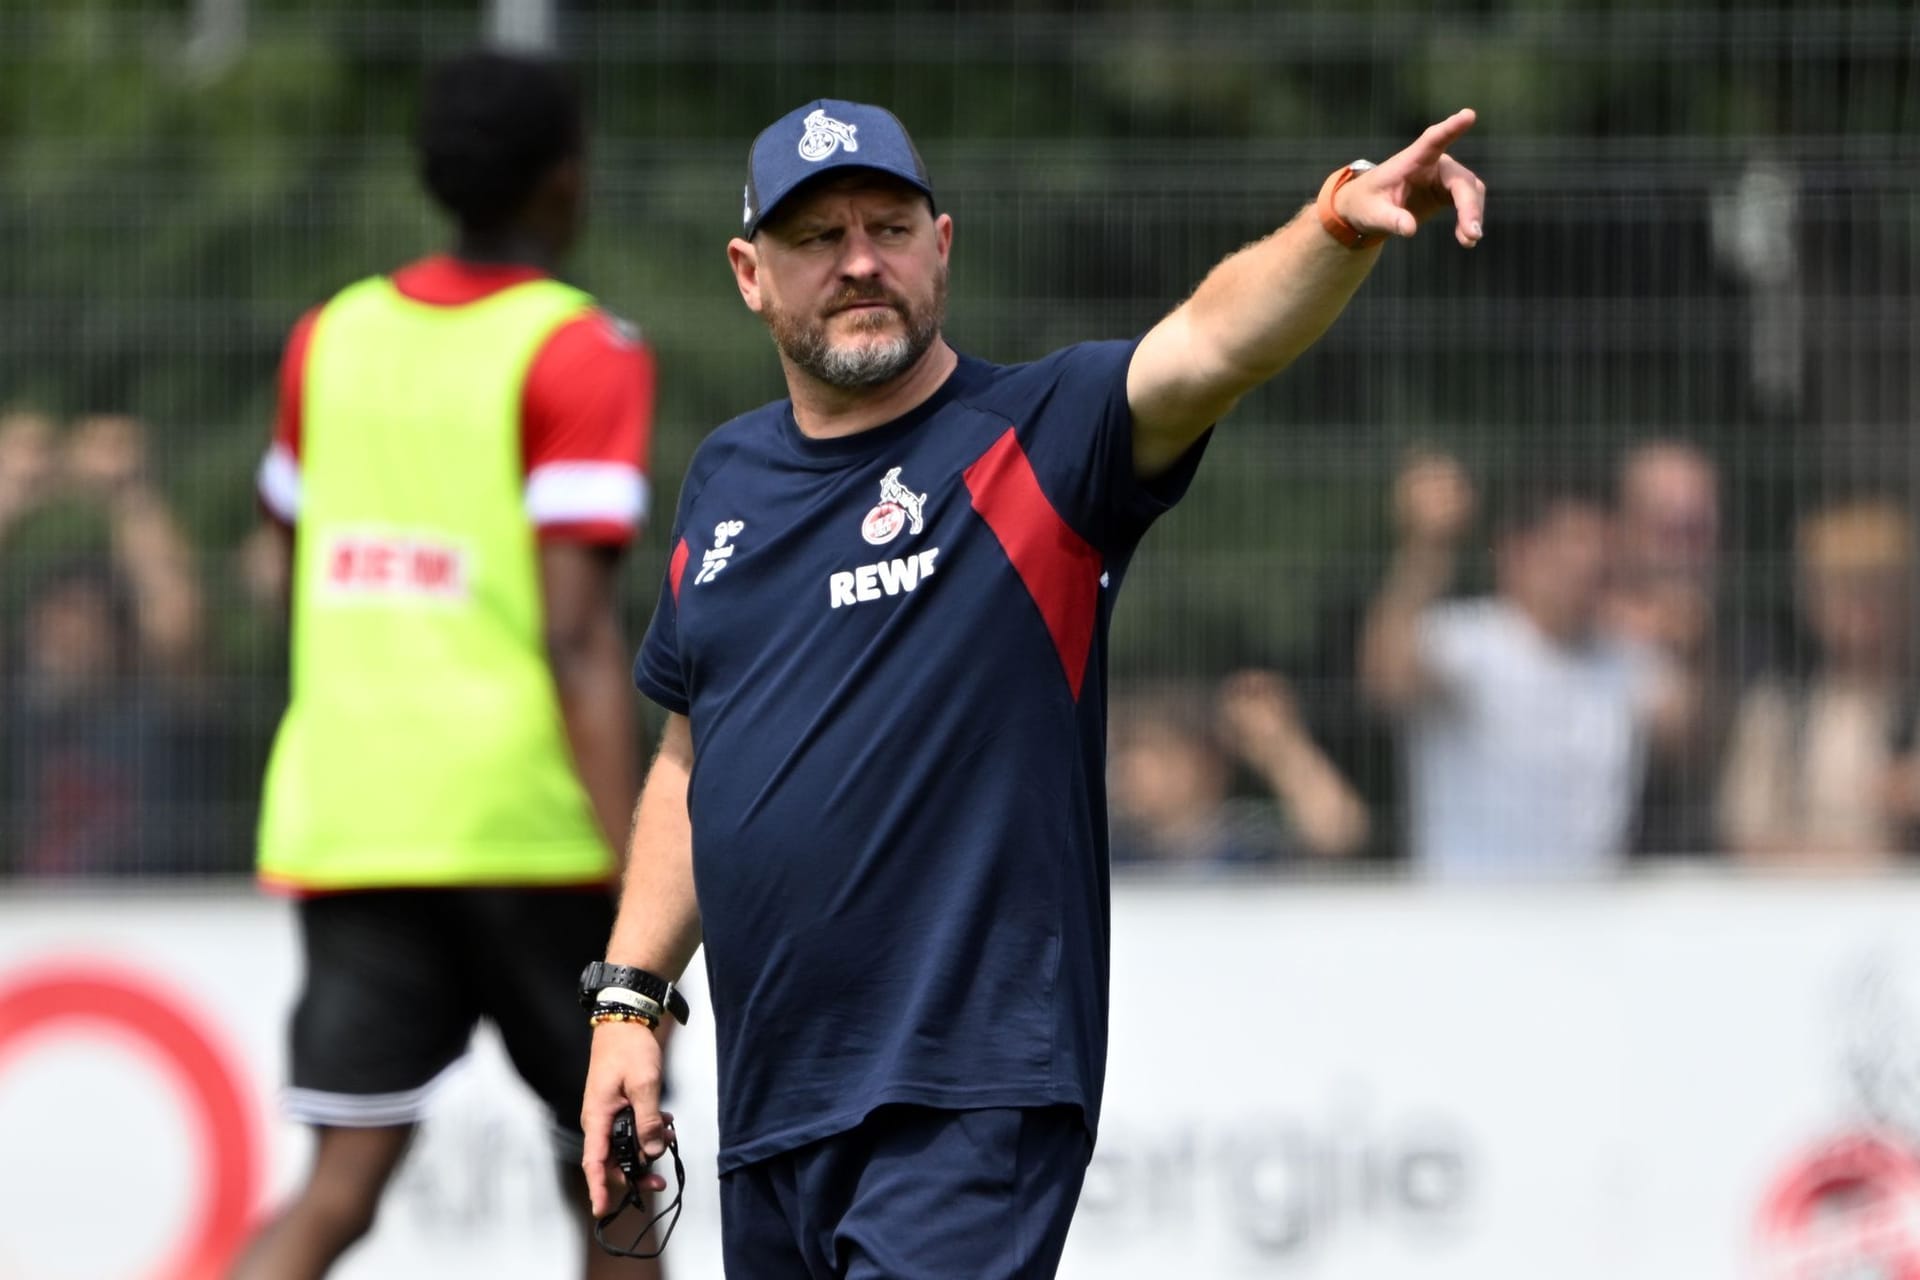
(1822, 769)
(1525, 723)
(1171, 780)
(264, 571)
(103, 759)
(106, 462)
(1171, 762)
(93, 752)
(1261, 724)
(26, 464)
(102, 467)
(1665, 596)
(1357, 738)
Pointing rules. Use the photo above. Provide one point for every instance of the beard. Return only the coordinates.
(857, 364)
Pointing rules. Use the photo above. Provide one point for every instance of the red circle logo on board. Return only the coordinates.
(1848, 1208)
(158, 1023)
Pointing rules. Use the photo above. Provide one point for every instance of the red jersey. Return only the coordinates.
(586, 415)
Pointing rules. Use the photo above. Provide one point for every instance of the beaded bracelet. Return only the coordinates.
(622, 998)
(614, 1013)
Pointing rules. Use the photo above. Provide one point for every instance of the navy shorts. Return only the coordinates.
(912, 1193)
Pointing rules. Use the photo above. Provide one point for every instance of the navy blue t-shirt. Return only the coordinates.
(891, 647)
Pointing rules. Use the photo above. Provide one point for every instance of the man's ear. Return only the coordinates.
(744, 257)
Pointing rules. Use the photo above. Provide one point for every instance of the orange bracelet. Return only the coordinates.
(603, 1016)
(1331, 221)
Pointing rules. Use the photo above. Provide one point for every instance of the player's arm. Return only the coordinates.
(658, 929)
(269, 553)
(1433, 506)
(586, 415)
(588, 656)
(1263, 306)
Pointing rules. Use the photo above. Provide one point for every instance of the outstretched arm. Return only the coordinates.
(1263, 306)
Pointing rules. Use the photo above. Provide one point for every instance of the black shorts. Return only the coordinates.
(396, 980)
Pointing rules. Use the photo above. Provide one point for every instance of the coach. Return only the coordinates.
(880, 796)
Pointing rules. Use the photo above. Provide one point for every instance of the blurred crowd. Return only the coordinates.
(111, 761)
(1605, 695)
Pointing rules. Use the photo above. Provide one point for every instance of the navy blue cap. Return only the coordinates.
(824, 135)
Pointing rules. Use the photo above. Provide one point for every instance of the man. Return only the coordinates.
(1527, 724)
(1172, 749)
(459, 458)
(1666, 594)
(896, 824)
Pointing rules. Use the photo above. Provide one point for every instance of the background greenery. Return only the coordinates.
(170, 208)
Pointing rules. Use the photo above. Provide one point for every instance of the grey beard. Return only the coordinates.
(867, 365)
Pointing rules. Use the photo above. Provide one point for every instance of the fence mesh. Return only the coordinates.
(1703, 227)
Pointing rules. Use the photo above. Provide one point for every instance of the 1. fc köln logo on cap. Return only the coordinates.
(900, 508)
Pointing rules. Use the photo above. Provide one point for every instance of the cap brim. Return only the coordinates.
(829, 169)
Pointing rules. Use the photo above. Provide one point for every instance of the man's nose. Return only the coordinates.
(859, 256)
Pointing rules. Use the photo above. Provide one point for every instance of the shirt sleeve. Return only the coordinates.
(587, 422)
(1078, 433)
(278, 480)
(657, 669)
(1453, 640)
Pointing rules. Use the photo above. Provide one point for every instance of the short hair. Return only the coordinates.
(492, 126)
(1181, 707)
(1528, 500)
(1654, 451)
(1858, 535)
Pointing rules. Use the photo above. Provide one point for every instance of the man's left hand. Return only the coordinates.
(1396, 196)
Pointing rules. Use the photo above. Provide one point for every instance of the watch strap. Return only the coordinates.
(600, 975)
(1331, 221)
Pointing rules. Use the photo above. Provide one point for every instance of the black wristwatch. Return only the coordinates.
(600, 975)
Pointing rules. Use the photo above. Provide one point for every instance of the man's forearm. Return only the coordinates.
(1321, 806)
(658, 928)
(1249, 319)
(1390, 670)
(1263, 306)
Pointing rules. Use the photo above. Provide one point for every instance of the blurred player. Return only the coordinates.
(459, 457)
(883, 640)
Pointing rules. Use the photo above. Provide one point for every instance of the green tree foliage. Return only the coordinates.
(170, 209)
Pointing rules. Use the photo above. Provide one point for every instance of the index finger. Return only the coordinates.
(594, 1166)
(594, 1151)
(1433, 144)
